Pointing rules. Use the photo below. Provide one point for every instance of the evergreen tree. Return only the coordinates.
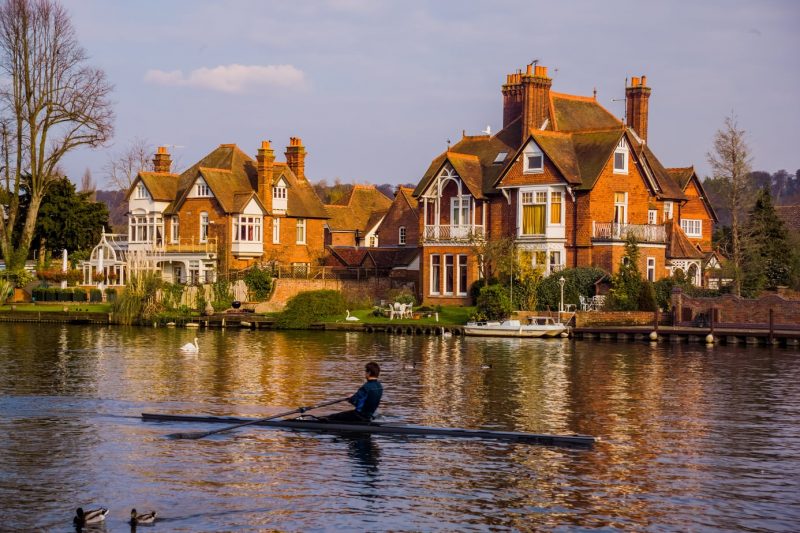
(768, 255)
(626, 285)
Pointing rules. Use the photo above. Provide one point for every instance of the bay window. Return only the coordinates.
(534, 206)
(247, 229)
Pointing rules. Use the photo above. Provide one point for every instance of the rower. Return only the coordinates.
(365, 400)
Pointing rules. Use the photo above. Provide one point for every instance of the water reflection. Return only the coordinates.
(693, 438)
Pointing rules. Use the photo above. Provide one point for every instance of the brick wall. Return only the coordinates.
(696, 208)
(736, 310)
(588, 319)
(399, 214)
(425, 275)
(375, 288)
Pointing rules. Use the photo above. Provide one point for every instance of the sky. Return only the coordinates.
(375, 89)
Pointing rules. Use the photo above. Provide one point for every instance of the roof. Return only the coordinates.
(162, 186)
(580, 113)
(380, 257)
(231, 175)
(361, 210)
(681, 175)
(406, 194)
(790, 215)
(679, 246)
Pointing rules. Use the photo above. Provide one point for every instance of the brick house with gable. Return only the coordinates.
(354, 220)
(227, 211)
(400, 225)
(567, 181)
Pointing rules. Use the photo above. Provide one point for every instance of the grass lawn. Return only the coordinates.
(447, 316)
(59, 308)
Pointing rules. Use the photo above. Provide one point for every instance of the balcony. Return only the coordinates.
(448, 233)
(611, 231)
(187, 247)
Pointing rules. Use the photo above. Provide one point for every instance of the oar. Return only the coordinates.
(200, 435)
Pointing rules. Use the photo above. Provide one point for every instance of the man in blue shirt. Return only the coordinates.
(365, 400)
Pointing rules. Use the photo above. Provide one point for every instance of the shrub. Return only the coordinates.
(494, 302)
(139, 299)
(95, 295)
(577, 282)
(80, 295)
(307, 308)
(171, 294)
(626, 285)
(111, 295)
(475, 288)
(647, 297)
(74, 276)
(403, 296)
(222, 295)
(259, 283)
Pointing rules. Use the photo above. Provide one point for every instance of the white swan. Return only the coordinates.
(189, 347)
(350, 318)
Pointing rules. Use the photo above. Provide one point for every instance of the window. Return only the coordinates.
(652, 216)
(621, 207)
(621, 158)
(279, 196)
(276, 231)
(462, 274)
(247, 229)
(667, 211)
(373, 241)
(555, 261)
(176, 228)
(141, 191)
(534, 205)
(449, 274)
(279, 193)
(401, 235)
(301, 231)
(555, 207)
(436, 267)
(651, 269)
(501, 156)
(203, 227)
(459, 211)
(692, 228)
(202, 189)
(533, 161)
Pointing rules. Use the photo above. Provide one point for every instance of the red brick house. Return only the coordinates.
(400, 225)
(567, 180)
(354, 220)
(227, 211)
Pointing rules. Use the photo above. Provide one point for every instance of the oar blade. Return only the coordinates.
(190, 436)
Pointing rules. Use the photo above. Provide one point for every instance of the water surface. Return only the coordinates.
(693, 438)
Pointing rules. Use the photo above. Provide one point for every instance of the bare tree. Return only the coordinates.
(123, 166)
(730, 162)
(88, 185)
(53, 102)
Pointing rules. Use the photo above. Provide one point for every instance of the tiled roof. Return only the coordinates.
(358, 210)
(379, 257)
(790, 215)
(669, 188)
(592, 151)
(162, 186)
(231, 173)
(679, 246)
(681, 175)
(407, 194)
(580, 113)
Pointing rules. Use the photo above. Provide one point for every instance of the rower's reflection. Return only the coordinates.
(364, 451)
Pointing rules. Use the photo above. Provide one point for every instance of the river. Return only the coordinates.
(693, 438)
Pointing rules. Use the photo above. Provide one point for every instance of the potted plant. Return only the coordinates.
(98, 277)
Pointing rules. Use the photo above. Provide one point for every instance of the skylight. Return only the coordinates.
(500, 157)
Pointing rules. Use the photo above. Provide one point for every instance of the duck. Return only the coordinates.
(486, 366)
(412, 366)
(93, 516)
(350, 318)
(142, 518)
(189, 347)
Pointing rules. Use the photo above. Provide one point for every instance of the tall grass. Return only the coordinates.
(139, 300)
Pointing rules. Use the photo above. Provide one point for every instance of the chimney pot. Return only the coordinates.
(644, 81)
(528, 70)
(544, 72)
(634, 81)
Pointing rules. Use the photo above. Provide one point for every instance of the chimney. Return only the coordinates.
(637, 97)
(527, 95)
(161, 161)
(296, 157)
(264, 162)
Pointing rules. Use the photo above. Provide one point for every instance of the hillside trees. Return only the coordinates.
(53, 103)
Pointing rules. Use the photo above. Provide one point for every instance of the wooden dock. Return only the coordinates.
(722, 334)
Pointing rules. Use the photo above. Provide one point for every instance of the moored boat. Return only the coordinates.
(538, 327)
(385, 428)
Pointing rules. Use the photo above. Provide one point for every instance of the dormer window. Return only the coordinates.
(532, 159)
(141, 191)
(202, 189)
(621, 158)
(279, 196)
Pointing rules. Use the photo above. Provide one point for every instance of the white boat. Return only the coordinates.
(538, 327)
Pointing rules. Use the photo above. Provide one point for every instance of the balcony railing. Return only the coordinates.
(612, 231)
(461, 233)
(190, 246)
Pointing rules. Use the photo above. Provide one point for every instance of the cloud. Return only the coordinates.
(231, 78)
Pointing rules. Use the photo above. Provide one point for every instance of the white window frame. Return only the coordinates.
(437, 278)
(452, 266)
(623, 205)
(461, 264)
(204, 222)
(651, 269)
(550, 206)
(401, 235)
(373, 241)
(251, 225)
(622, 148)
(175, 233)
(652, 216)
(554, 260)
(667, 211)
(692, 227)
(279, 192)
(460, 208)
(276, 231)
(141, 192)
(536, 197)
(202, 189)
(529, 153)
(300, 233)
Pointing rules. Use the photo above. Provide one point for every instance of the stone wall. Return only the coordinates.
(729, 309)
(590, 319)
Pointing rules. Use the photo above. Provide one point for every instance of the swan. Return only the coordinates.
(412, 366)
(486, 367)
(351, 318)
(142, 518)
(189, 347)
(93, 516)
